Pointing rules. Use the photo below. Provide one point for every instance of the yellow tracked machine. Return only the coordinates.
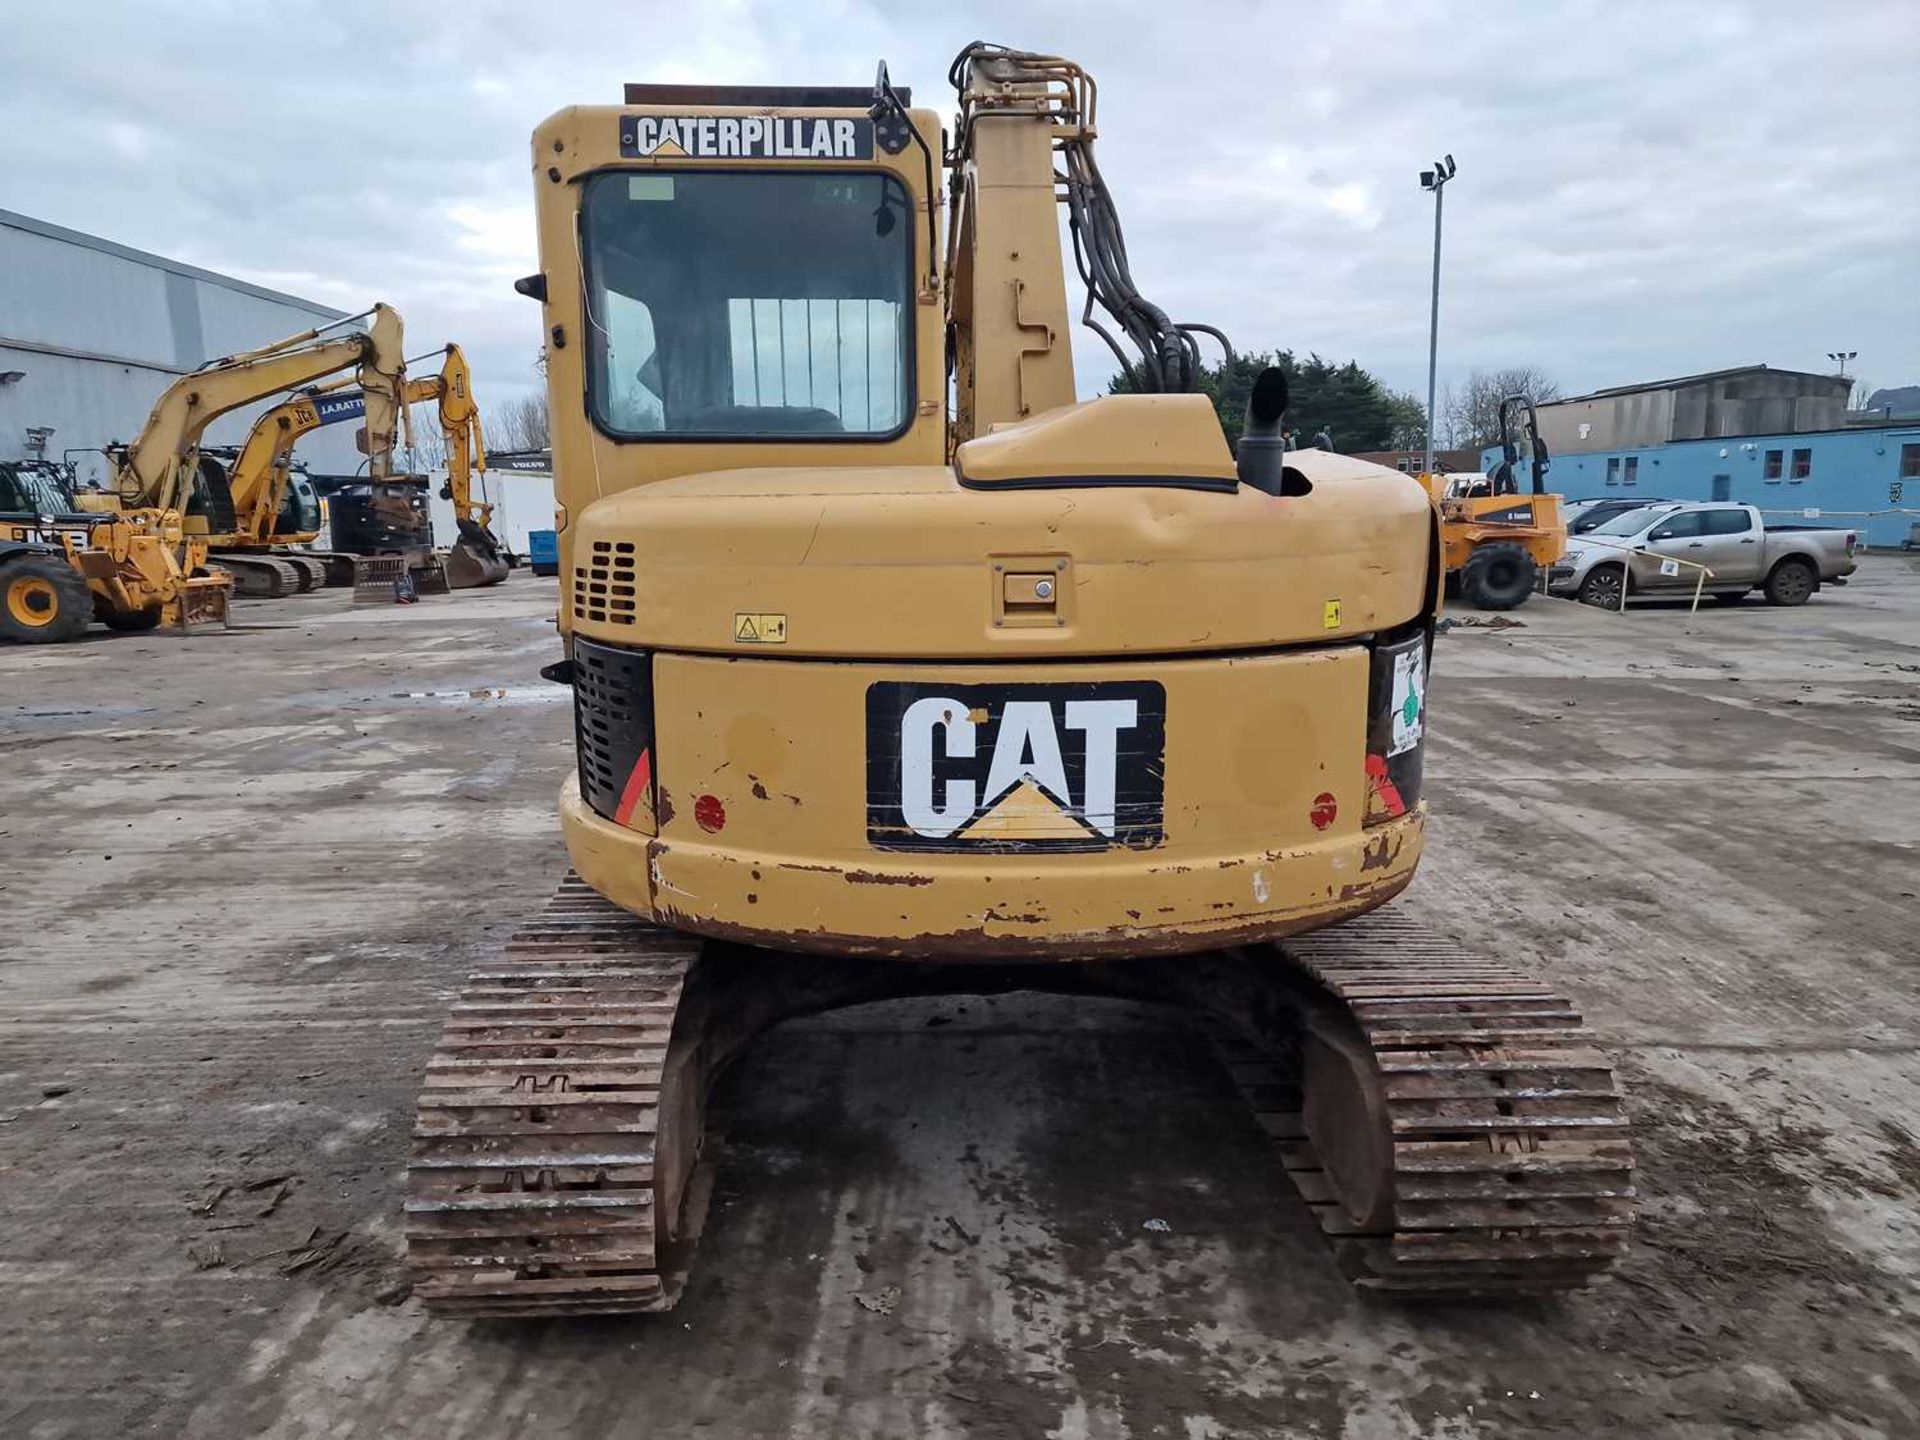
(876, 696)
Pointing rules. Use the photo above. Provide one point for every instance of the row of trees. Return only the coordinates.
(1357, 410)
(519, 424)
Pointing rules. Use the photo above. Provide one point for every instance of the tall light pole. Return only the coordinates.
(1434, 180)
(1840, 358)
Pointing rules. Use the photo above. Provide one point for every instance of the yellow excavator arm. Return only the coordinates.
(260, 473)
(258, 478)
(452, 390)
(156, 470)
(476, 557)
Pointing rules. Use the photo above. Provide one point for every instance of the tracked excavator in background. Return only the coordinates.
(272, 511)
(165, 470)
(873, 699)
(275, 516)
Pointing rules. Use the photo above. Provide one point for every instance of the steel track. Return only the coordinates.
(1511, 1162)
(531, 1189)
(1457, 1132)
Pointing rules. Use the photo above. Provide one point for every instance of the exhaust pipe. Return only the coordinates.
(1261, 457)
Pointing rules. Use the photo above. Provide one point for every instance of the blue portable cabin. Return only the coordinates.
(1775, 439)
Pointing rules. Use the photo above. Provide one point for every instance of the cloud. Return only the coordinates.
(1644, 189)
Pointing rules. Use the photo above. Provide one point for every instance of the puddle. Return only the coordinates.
(493, 695)
(27, 715)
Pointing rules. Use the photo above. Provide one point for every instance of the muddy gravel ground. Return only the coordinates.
(244, 872)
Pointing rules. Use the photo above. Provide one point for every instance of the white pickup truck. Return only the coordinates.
(1661, 547)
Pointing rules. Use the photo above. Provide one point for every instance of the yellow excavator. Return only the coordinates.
(273, 513)
(876, 699)
(259, 478)
(164, 470)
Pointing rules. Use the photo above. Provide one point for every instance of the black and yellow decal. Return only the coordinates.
(745, 137)
(1016, 767)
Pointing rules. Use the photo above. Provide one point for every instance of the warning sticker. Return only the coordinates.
(1669, 567)
(759, 629)
(1409, 700)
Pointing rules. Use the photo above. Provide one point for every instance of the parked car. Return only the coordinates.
(1585, 515)
(1640, 551)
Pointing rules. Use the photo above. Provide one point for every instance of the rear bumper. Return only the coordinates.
(1114, 903)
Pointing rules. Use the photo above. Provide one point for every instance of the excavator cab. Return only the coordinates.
(770, 513)
(750, 306)
(299, 512)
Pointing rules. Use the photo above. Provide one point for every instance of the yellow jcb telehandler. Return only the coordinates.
(873, 699)
(67, 559)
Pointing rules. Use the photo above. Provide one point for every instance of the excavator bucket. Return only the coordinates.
(476, 558)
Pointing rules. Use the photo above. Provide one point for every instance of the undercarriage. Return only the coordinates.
(1449, 1122)
(272, 574)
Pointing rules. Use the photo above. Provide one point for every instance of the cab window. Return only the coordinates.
(745, 305)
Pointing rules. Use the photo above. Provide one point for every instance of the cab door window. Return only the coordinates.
(1677, 537)
(1678, 527)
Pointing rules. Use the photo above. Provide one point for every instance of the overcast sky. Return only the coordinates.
(1644, 189)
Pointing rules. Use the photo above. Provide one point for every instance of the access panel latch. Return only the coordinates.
(1031, 590)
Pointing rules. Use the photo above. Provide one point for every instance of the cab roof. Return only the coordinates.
(773, 97)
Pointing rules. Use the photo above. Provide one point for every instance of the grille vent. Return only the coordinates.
(612, 719)
(603, 584)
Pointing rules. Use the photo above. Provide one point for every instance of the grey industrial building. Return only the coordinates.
(91, 333)
(1746, 400)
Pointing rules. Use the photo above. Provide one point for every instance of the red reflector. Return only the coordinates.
(710, 813)
(1325, 810)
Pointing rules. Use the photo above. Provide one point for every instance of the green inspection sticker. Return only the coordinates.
(1409, 699)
